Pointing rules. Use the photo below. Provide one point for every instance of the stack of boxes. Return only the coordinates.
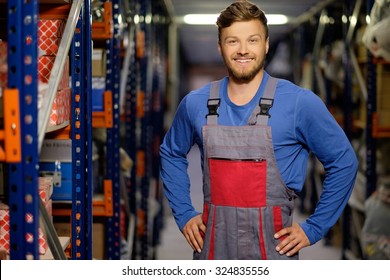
(45, 193)
(49, 36)
(50, 32)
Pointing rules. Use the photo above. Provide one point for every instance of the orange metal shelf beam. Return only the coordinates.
(379, 131)
(104, 119)
(104, 207)
(10, 147)
(64, 133)
(105, 29)
(54, 11)
(101, 208)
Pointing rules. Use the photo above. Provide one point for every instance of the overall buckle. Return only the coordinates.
(265, 105)
(212, 105)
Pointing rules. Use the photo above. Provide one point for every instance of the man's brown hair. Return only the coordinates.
(241, 11)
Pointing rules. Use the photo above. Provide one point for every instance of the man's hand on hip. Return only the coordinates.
(294, 240)
(193, 231)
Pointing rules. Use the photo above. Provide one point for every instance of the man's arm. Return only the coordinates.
(317, 129)
(173, 154)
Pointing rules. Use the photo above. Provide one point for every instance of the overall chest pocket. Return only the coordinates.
(238, 182)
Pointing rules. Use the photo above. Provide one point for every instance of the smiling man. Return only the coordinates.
(253, 164)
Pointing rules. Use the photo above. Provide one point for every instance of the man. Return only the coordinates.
(255, 134)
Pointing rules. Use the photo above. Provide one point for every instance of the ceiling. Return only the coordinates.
(199, 43)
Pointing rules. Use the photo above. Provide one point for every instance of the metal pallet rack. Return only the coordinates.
(352, 10)
(144, 125)
(144, 91)
(369, 132)
(145, 88)
(130, 107)
(372, 132)
(113, 136)
(22, 75)
(159, 85)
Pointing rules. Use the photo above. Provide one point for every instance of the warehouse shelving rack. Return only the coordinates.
(352, 243)
(129, 91)
(144, 91)
(144, 88)
(356, 82)
(22, 19)
(113, 136)
(358, 85)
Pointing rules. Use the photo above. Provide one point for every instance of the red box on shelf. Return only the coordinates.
(45, 65)
(51, 27)
(49, 45)
(60, 111)
(5, 236)
(3, 64)
(45, 192)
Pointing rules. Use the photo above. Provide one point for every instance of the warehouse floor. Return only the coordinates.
(173, 245)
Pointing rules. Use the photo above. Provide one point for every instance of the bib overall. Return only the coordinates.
(245, 199)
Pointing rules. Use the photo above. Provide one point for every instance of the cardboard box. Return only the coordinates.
(98, 237)
(62, 229)
(99, 241)
(98, 63)
(56, 149)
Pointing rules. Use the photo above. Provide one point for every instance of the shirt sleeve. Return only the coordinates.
(173, 155)
(318, 129)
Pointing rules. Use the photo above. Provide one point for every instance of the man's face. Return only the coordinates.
(243, 46)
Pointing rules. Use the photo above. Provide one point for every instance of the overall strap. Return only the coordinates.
(260, 114)
(213, 103)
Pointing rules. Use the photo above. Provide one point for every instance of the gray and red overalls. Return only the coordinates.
(245, 199)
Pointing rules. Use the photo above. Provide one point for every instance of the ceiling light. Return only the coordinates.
(210, 19)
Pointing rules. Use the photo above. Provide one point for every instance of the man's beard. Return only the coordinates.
(244, 77)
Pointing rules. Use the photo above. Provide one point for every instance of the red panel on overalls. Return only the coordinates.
(227, 178)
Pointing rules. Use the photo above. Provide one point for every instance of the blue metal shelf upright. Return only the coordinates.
(113, 136)
(23, 179)
(81, 123)
(371, 108)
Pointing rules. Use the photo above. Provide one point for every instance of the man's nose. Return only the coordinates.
(243, 48)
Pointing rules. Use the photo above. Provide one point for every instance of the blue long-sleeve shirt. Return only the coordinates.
(300, 123)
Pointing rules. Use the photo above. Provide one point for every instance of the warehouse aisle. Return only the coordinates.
(174, 246)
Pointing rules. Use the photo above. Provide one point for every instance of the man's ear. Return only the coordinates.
(267, 45)
(219, 47)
